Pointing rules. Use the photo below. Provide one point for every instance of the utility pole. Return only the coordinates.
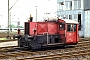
(8, 22)
(36, 13)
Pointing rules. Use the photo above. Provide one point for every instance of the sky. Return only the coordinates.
(23, 8)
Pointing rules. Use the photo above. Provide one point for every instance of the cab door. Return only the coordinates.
(69, 33)
(75, 33)
(62, 32)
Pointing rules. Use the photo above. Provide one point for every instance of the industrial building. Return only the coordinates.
(78, 10)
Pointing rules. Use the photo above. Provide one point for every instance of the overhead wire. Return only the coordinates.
(13, 5)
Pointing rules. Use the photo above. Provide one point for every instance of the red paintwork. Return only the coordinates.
(77, 35)
(72, 37)
(52, 28)
(61, 20)
(62, 32)
(68, 37)
(33, 26)
(62, 35)
(41, 27)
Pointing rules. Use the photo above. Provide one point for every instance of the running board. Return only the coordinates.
(54, 44)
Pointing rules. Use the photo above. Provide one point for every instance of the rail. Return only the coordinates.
(82, 49)
(8, 43)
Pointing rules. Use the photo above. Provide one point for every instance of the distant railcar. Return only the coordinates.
(49, 33)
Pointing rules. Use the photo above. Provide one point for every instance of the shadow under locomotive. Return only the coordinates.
(39, 41)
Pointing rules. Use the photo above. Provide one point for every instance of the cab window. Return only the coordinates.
(62, 26)
(74, 26)
(69, 27)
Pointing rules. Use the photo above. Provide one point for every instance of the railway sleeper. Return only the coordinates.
(79, 55)
(14, 56)
(88, 53)
(66, 56)
(40, 57)
(83, 54)
(2, 56)
(80, 42)
(44, 58)
(81, 45)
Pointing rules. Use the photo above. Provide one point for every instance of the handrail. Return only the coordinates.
(47, 36)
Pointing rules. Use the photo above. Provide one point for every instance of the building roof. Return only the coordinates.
(70, 21)
(66, 20)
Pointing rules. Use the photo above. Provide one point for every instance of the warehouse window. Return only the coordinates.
(70, 16)
(62, 3)
(62, 16)
(77, 4)
(75, 16)
(60, 6)
(66, 5)
(65, 17)
(70, 5)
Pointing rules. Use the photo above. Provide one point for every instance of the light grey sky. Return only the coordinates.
(23, 8)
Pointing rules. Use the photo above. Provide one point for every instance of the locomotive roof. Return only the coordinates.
(70, 21)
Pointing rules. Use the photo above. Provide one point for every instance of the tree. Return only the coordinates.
(19, 27)
(0, 26)
(13, 26)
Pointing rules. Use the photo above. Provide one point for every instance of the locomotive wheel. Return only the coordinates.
(21, 46)
(29, 46)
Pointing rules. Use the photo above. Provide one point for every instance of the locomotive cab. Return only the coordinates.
(68, 30)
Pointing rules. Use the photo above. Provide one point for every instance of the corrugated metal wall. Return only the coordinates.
(86, 4)
(87, 24)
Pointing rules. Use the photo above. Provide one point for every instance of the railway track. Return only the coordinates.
(10, 48)
(80, 51)
(64, 53)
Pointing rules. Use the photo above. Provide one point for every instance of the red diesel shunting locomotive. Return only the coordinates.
(49, 33)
